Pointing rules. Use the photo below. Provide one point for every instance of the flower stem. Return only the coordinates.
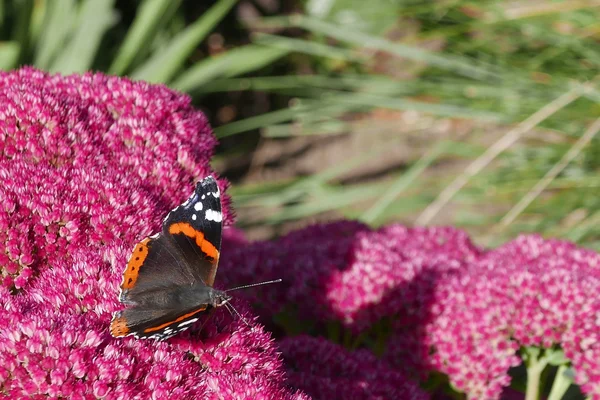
(561, 384)
(535, 366)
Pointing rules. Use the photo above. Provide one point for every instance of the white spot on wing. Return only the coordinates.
(198, 206)
(188, 322)
(213, 215)
(216, 194)
(194, 217)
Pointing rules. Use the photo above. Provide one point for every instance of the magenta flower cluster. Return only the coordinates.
(529, 292)
(89, 165)
(454, 308)
(345, 272)
(326, 370)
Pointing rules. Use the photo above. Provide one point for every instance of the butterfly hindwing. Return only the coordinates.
(162, 317)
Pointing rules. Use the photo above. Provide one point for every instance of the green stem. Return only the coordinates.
(535, 367)
(347, 338)
(561, 384)
(334, 331)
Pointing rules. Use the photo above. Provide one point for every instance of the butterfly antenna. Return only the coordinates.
(254, 284)
(231, 307)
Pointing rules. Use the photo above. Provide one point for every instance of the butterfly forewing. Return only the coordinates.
(195, 229)
(161, 265)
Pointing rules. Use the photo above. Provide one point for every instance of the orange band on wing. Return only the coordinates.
(158, 328)
(207, 247)
(135, 262)
(118, 327)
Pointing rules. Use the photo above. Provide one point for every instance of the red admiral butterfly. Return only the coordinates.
(168, 281)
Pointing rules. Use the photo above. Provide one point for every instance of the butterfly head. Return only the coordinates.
(219, 298)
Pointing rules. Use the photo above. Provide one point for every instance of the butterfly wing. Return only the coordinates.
(161, 315)
(164, 268)
(195, 228)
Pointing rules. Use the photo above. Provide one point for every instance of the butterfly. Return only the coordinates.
(168, 281)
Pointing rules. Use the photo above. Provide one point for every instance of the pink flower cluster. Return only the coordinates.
(89, 160)
(345, 272)
(529, 292)
(61, 355)
(89, 166)
(326, 370)
(453, 308)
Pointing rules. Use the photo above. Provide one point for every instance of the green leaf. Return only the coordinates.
(232, 63)
(9, 55)
(59, 19)
(400, 184)
(310, 47)
(460, 65)
(162, 66)
(556, 357)
(94, 19)
(145, 26)
(21, 29)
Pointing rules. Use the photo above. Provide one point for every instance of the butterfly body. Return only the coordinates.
(167, 283)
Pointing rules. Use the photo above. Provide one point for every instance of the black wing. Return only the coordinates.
(195, 229)
(160, 315)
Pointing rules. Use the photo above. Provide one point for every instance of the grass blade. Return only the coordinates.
(259, 121)
(331, 200)
(319, 128)
(164, 65)
(95, 18)
(405, 179)
(21, 29)
(543, 183)
(143, 29)
(9, 55)
(58, 22)
(364, 83)
(456, 64)
(235, 62)
(493, 151)
(309, 47)
(445, 110)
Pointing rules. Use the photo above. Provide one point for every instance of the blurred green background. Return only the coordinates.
(480, 114)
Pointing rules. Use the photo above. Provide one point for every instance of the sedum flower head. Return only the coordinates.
(453, 308)
(529, 292)
(88, 160)
(328, 371)
(90, 164)
(344, 271)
